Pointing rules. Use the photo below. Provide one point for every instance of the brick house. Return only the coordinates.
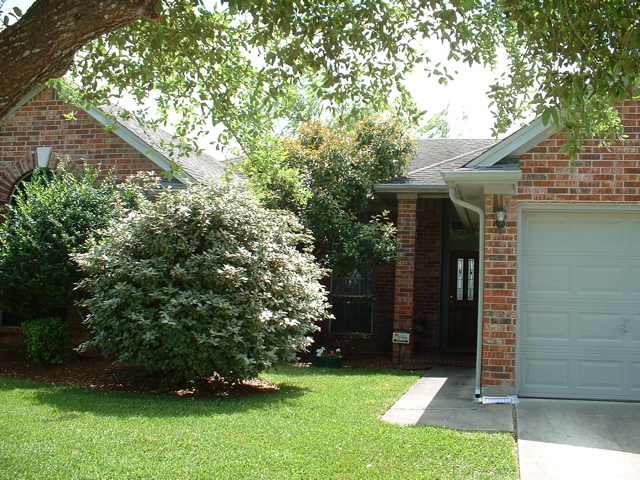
(556, 244)
(412, 295)
(36, 132)
(562, 277)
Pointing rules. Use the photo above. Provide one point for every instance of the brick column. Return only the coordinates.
(405, 274)
(499, 330)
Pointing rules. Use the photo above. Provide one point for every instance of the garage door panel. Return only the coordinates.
(599, 375)
(599, 235)
(586, 278)
(599, 329)
(591, 326)
(634, 281)
(547, 279)
(551, 375)
(633, 378)
(546, 234)
(579, 305)
(633, 245)
(546, 327)
(541, 373)
(603, 280)
(633, 323)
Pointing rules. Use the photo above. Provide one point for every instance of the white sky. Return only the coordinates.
(466, 95)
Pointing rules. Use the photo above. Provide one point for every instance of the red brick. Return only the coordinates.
(39, 123)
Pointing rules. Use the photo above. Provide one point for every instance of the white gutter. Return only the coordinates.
(453, 194)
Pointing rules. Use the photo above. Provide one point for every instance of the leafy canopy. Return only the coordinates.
(571, 61)
(326, 177)
(240, 64)
(203, 281)
(234, 63)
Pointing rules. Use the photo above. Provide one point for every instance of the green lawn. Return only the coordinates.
(322, 425)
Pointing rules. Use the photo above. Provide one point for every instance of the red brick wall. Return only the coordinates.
(499, 336)
(427, 274)
(599, 175)
(41, 123)
(405, 275)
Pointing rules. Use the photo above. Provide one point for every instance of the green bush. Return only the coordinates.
(204, 281)
(326, 176)
(54, 215)
(47, 339)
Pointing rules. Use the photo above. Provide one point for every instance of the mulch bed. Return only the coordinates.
(100, 373)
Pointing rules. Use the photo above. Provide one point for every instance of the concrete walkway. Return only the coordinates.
(557, 439)
(444, 398)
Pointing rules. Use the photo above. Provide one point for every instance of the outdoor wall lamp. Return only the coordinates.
(501, 218)
(44, 155)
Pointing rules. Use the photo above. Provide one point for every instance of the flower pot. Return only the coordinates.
(329, 362)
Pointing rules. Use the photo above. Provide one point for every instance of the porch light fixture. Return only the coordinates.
(501, 218)
(44, 155)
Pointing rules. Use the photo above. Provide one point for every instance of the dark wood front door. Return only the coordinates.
(463, 301)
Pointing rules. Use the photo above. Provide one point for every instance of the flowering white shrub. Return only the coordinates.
(203, 282)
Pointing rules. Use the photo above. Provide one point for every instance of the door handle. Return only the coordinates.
(625, 327)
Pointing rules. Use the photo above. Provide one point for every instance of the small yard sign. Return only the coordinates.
(401, 337)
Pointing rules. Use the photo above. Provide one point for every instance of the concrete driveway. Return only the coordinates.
(557, 439)
(577, 439)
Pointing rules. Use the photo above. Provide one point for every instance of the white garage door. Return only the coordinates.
(579, 305)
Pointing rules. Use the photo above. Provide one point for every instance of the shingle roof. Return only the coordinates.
(438, 154)
(200, 167)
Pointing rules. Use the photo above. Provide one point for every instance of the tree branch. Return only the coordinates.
(42, 44)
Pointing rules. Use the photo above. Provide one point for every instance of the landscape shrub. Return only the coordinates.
(47, 339)
(203, 282)
(52, 216)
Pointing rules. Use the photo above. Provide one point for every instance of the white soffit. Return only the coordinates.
(472, 185)
(490, 181)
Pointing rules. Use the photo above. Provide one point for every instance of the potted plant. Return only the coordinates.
(328, 358)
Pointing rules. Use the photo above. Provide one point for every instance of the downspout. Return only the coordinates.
(458, 201)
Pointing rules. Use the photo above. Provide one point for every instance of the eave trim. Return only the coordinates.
(515, 144)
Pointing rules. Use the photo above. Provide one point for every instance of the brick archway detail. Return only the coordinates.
(13, 172)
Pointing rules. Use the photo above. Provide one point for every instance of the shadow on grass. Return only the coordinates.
(69, 400)
(73, 400)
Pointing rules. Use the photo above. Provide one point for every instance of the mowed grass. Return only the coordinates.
(324, 424)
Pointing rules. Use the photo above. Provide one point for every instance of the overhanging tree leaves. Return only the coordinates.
(232, 62)
(572, 61)
(42, 45)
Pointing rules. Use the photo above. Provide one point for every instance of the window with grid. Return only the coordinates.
(352, 303)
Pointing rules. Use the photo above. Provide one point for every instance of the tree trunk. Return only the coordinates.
(42, 44)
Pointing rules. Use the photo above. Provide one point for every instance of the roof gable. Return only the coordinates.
(514, 145)
(155, 145)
